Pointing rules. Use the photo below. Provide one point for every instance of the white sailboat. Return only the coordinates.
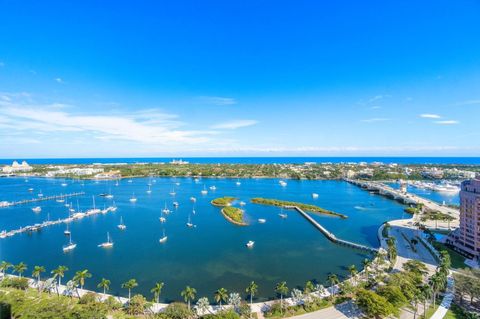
(114, 207)
(70, 246)
(175, 204)
(213, 187)
(204, 190)
(108, 243)
(149, 190)
(166, 210)
(37, 209)
(133, 199)
(173, 193)
(164, 238)
(40, 194)
(282, 183)
(238, 183)
(250, 244)
(282, 215)
(67, 231)
(189, 222)
(121, 226)
(314, 195)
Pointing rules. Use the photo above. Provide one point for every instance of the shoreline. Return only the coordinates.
(231, 220)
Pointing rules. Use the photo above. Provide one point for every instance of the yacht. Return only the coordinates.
(262, 220)
(166, 210)
(213, 187)
(162, 219)
(70, 246)
(60, 200)
(177, 183)
(30, 189)
(175, 204)
(121, 226)
(37, 209)
(238, 183)
(283, 215)
(193, 199)
(250, 244)
(133, 199)
(204, 191)
(282, 183)
(242, 203)
(64, 184)
(164, 238)
(314, 195)
(108, 243)
(196, 180)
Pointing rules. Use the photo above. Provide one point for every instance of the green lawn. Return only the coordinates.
(457, 259)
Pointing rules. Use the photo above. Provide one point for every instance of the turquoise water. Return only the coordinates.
(207, 257)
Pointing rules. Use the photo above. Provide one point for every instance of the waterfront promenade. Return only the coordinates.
(40, 199)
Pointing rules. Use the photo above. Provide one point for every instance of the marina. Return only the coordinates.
(40, 199)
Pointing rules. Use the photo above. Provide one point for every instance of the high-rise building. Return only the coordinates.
(466, 239)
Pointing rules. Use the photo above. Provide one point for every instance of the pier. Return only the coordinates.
(40, 199)
(403, 197)
(330, 236)
(39, 226)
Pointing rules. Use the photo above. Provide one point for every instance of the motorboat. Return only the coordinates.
(282, 183)
(314, 195)
(283, 215)
(166, 210)
(262, 221)
(37, 209)
(213, 187)
(175, 204)
(250, 244)
(193, 199)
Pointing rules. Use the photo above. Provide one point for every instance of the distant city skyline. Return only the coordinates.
(189, 79)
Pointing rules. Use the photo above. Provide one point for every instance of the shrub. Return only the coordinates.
(17, 283)
(176, 310)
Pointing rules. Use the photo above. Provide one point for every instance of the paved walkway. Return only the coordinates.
(345, 310)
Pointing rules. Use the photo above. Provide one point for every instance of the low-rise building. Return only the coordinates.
(16, 167)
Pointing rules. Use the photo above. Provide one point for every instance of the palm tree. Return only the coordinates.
(436, 282)
(220, 295)
(282, 289)
(105, 284)
(309, 287)
(426, 292)
(333, 279)
(252, 290)
(353, 271)
(20, 269)
(60, 273)
(4, 267)
(80, 277)
(202, 305)
(188, 295)
(37, 272)
(157, 290)
(132, 283)
(366, 263)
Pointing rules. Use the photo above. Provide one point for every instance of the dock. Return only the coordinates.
(330, 236)
(40, 199)
(73, 217)
(403, 197)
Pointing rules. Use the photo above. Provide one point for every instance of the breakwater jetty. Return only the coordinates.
(403, 197)
(73, 217)
(40, 199)
(330, 236)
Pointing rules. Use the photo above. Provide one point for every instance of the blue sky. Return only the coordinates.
(239, 78)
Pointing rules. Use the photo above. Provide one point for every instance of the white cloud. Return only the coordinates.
(144, 127)
(59, 80)
(468, 102)
(430, 116)
(447, 122)
(232, 125)
(217, 100)
(377, 119)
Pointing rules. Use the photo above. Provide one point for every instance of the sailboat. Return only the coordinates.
(193, 199)
(113, 208)
(282, 183)
(189, 222)
(109, 195)
(314, 195)
(149, 191)
(282, 215)
(133, 199)
(30, 189)
(108, 243)
(175, 204)
(64, 184)
(173, 193)
(250, 244)
(204, 191)
(40, 194)
(121, 226)
(116, 184)
(166, 210)
(70, 246)
(262, 220)
(213, 187)
(67, 231)
(37, 209)
(238, 183)
(164, 238)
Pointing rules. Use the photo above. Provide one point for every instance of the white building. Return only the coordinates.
(15, 168)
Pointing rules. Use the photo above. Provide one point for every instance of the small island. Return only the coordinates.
(234, 215)
(223, 201)
(307, 207)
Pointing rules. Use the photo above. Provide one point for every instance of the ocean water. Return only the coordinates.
(207, 257)
(257, 160)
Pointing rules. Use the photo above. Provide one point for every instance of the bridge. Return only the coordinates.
(403, 197)
(330, 236)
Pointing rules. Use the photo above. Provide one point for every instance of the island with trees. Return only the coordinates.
(223, 201)
(233, 215)
(303, 206)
